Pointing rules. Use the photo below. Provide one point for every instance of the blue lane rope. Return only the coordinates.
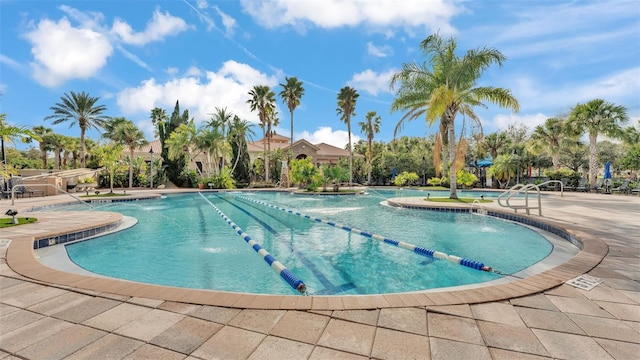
(284, 273)
(417, 249)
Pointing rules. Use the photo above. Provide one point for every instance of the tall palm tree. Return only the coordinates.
(273, 120)
(70, 146)
(291, 93)
(57, 142)
(239, 131)
(370, 128)
(43, 132)
(597, 117)
(80, 108)
(182, 141)
(347, 98)
(549, 138)
(220, 122)
(445, 86)
(263, 101)
(210, 140)
(496, 143)
(129, 135)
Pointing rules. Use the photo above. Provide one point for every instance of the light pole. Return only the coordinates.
(151, 168)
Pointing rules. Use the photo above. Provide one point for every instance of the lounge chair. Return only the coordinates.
(21, 189)
(601, 186)
(624, 188)
(583, 185)
(636, 190)
(4, 194)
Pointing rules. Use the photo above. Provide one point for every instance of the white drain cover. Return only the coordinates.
(585, 282)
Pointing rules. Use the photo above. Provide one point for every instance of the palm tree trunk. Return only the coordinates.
(267, 154)
(291, 138)
(453, 181)
(264, 154)
(44, 156)
(593, 153)
(131, 167)
(83, 160)
(369, 161)
(350, 152)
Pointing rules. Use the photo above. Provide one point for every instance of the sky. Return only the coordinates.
(141, 54)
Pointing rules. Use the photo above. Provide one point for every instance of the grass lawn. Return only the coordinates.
(459, 201)
(6, 222)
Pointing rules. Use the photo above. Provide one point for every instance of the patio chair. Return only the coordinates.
(624, 188)
(583, 185)
(601, 186)
(4, 194)
(21, 189)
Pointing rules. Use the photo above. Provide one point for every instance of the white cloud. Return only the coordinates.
(379, 51)
(324, 134)
(202, 4)
(194, 71)
(84, 52)
(5, 60)
(228, 22)
(618, 88)
(172, 71)
(228, 87)
(160, 26)
(502, 121)
(378, 15)
(372, 82)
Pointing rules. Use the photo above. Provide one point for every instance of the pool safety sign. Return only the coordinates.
(584, 282)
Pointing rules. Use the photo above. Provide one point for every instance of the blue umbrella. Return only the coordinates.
(485, 162)
(393, 173)
(607, 170)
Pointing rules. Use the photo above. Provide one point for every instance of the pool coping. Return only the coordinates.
(21, 258)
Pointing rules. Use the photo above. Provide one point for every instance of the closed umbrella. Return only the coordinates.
(607, 170)
(607, 176)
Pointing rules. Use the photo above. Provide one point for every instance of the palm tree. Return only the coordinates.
(80, 108)
(370, 128)
(273, 120)
(220, 122)
(128, 134)
(263, 101)
(57, 143)
(182, 141)
(549, 138)
(496, 143)
(291, 93)
(8, 133)
(594, 118)
(211, 141)
(239, 131)
(43, 132)
(70, 146)
(347, 98)
(445, 86)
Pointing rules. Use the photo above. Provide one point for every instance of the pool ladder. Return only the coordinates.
(525, 189)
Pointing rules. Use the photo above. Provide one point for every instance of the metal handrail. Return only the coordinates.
(525, 188)
(13, 193)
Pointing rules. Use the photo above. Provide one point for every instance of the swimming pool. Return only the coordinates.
(181, 241)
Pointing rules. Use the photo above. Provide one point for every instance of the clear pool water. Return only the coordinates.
(181, 241)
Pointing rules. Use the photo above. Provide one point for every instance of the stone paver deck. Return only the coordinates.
(49, 314)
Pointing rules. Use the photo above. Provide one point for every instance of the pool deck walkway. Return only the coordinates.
(48, 314)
